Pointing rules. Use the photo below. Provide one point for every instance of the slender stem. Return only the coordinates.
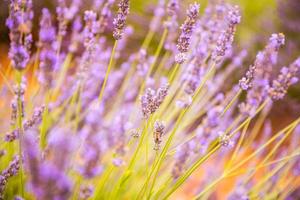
(262, 147)
(231, 102)
(271, 153)
(20, 126)
(236, 150)
(62, 74)
(128, 171)
(45, 120)
(157, 52)
(187, 174)
(148, 39)
(207, 188)
(110, 65)
(103, 181)
(173, 73)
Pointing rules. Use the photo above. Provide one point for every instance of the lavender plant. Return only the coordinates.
(88, 120)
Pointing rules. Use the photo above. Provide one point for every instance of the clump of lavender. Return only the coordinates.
(257, 79)
(47, 177)
(104, 119)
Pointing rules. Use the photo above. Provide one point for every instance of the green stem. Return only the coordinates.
(128, 171)
(157, 52)
(187, 174)
(147, 39)
(20, 126)
(173, 73)
(232, 101)
(108, 71)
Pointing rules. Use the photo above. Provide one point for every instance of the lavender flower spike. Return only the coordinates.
(19, 23)
(151, 100)
(187, 27)
(246, 82)
(286, 78)
(48, 57)
(225, 40)
(119, 21)
(10, 171)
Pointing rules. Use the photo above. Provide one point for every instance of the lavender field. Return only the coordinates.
(165, 99)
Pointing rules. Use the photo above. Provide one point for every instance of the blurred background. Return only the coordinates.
(260, 18)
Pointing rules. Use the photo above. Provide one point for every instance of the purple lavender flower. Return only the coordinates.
(47, 31)
(90, 29)
(89, 33)
(225, 40)
(193, 78)
(159, 12)
(91, 154)
(34, 120)
(246, 82)
(60, 11)
(172, 25)
(105, 16)
(19, 22)
(14, 111)
(19, 92)
(118, 162)
(97, 4)
(287, 77)
(144, 62)
(151, 100)
(65, 14)
(10, 171)
(48, 57)
(187, 27)
(182, 155)
(20, 18)
(48, 179)
(259, 74)
(120, 20)
(76, 36)
(14, 20)
(19, 56)
(12, 136)
(172, 7)
(159, 131)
